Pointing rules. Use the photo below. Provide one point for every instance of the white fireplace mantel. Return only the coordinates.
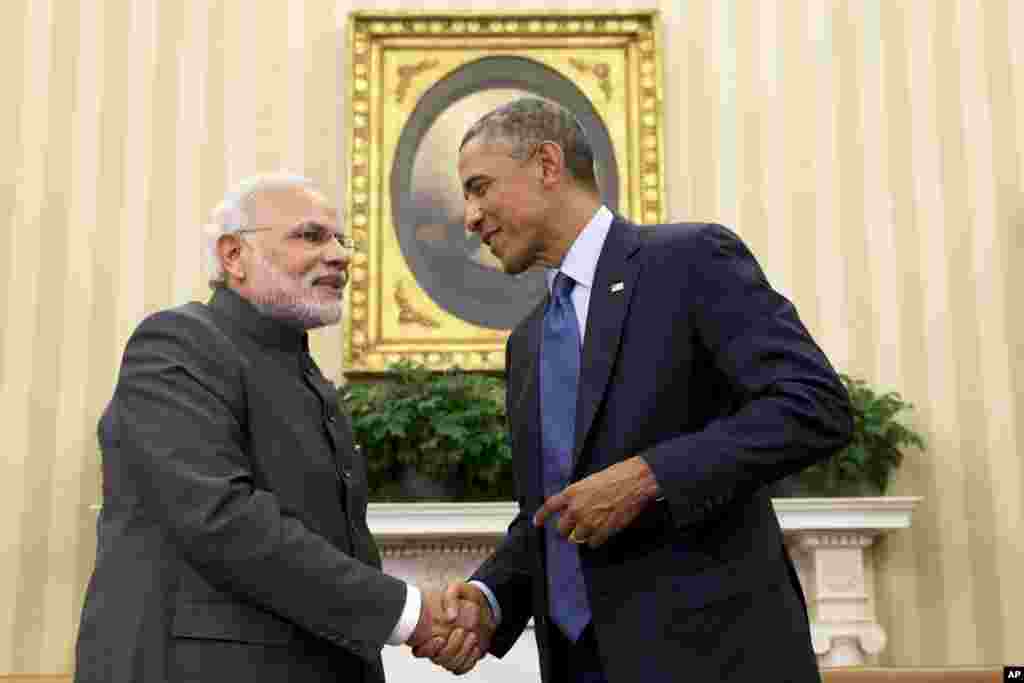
(879, 514)
(438, 520)
(433, 543)
(411, 520)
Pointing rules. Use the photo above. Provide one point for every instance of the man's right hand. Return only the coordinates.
(463, 633)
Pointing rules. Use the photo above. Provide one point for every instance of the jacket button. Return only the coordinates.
(332, 419)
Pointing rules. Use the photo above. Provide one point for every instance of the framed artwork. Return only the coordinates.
(422, 287)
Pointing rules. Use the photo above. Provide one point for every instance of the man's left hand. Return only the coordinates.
(596, 508)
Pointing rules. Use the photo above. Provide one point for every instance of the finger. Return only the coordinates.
(452, 648)
(567, 522)
(469, 614)
(450, 599)
(462, 658)
(474, 656)
(429, 648)
(551, 505)
(597, 539)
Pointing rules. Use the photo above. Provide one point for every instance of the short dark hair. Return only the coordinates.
(528, 121)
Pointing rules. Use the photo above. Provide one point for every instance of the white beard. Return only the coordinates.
(292, 300)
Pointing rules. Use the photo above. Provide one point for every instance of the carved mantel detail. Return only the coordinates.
(410, 548)
(829, 539)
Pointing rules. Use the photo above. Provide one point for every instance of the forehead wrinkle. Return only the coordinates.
(290, 207)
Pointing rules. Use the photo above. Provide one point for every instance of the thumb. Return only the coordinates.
(450, 599)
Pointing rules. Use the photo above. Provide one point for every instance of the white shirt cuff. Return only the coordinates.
(410, 616)
(495, 608)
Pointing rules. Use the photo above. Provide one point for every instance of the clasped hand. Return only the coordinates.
(456, 626)
(460, 627)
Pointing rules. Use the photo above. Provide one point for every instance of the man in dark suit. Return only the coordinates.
(232, 542)
(652, 397)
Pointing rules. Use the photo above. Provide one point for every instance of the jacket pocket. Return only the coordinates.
(231, 621)
(664, 579)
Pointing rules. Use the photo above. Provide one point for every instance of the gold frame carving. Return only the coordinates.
(395, 57)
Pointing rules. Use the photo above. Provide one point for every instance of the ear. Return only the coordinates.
(552, 163)
(229, 250)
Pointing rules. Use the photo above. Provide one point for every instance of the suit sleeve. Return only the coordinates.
(792, 409)
(508, 571)
(179, 397)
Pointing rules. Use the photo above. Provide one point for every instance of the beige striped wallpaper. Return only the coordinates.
(871, 152)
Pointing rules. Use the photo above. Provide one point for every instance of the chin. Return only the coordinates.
(514, 268)
(313, 312)
(325, 317)
(330, 319)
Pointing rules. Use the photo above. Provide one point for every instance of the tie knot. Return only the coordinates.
(562, 286)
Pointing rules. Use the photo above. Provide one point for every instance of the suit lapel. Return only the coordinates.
(614, 283)
(527, 404)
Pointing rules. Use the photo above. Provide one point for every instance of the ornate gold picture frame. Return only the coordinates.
(422, 288)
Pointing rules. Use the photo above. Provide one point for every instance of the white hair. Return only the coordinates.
(231, 215)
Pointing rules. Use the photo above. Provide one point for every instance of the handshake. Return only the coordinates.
(455, 627)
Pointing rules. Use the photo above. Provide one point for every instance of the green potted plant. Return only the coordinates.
(865, 466)
(432, 435)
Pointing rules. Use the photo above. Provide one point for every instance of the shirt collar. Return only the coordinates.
(580, 263)
(262, 328)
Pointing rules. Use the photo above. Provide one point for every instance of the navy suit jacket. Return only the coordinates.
(698, 365)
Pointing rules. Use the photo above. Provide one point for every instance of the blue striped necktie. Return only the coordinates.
(559, 377)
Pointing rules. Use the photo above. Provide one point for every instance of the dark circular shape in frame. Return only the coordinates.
(460, 285)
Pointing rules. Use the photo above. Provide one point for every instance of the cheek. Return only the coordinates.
(307, 265)
(521, 213)
(511, 208)
(295, 266)
(298, 266)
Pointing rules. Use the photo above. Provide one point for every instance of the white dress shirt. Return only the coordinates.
(580, 263)
(409, 618)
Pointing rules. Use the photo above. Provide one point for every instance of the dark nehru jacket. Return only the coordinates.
(232, 543)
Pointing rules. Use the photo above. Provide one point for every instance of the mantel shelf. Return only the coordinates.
(492, 519)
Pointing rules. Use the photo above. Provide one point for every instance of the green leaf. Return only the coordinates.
(876, 448)
(856, 455)
(438, 422)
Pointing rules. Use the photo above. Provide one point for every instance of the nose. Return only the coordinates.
(337, 256)
(474, 217)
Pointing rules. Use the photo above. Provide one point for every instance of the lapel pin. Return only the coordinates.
(617, 287)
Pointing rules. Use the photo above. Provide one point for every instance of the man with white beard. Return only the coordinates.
(232, 542)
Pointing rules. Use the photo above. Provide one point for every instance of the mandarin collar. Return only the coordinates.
(262, 328)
